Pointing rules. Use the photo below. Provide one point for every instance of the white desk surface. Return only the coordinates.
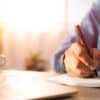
(24, 85)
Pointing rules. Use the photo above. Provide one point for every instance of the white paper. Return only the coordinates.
(74, 81)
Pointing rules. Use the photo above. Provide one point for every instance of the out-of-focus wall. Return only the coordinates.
(17, 46)
(77, 9)
(32, 25)
(17, 49)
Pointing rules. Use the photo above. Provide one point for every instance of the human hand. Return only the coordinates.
(78, 63)
(96, 56)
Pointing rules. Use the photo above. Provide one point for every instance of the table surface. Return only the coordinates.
(83, 93)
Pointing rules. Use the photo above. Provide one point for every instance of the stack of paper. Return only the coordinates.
(74, 81)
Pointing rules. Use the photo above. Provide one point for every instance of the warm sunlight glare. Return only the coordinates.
(33, 15)
(22, 85)
(31, 25)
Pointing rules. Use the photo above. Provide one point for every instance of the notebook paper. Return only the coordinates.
(74, 81)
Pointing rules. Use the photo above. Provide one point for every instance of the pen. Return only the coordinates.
(82, 41)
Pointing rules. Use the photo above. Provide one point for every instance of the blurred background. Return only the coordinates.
(31, 30)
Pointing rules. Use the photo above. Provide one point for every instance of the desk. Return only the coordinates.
(87, 94)
(83, 94)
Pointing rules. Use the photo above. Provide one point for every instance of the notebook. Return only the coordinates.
(74, 81)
